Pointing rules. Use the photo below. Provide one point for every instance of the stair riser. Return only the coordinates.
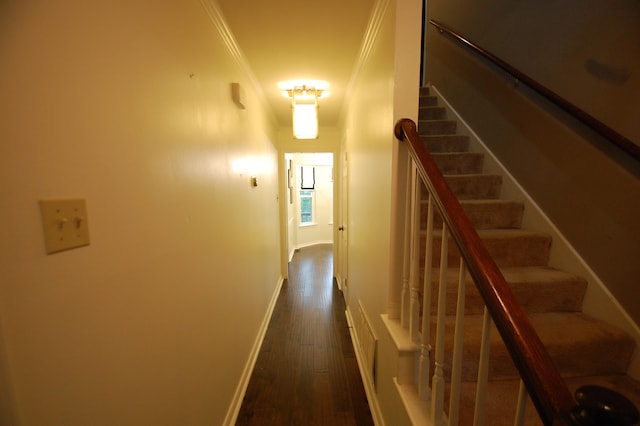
(459, 163)
(428, 100)
(437, 127)
(432, 113)
(535, 297)
(475, 187)
(446, 143)
(498, 215)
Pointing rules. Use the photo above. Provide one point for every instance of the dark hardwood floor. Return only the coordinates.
(306, 372)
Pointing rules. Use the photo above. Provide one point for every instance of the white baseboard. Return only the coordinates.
(236, 402)
(369, 387)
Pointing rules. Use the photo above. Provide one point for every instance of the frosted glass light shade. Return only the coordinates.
(305, 120)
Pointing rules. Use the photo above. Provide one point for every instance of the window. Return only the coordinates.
(307, 195)
(306, 206)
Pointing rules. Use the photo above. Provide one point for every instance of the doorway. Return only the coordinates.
(290, 163)
(309, 199)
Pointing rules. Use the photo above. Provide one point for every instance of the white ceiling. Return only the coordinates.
(286, 40)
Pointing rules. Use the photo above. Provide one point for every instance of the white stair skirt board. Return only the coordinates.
(363, 365)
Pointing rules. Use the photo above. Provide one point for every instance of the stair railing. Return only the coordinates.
(539, 377)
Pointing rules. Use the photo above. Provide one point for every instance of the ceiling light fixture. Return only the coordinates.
(304, 103)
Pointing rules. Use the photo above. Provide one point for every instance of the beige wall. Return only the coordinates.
(386, 88)
(586, 51)
(127, 104)
(587, 188)
(369, 148)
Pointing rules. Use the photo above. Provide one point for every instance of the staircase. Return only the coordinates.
(585, 351)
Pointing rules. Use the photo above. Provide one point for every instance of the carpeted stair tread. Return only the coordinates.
(508, 247)
(437, 127)
(475, 186)
(574, 341)
(458, 163)
(485, 214)
(538, 289)
(502, 398)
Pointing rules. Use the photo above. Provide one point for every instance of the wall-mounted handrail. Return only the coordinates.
(602, 129)
(546, 388)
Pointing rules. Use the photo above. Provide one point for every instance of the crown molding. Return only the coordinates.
(378, 12)
(212, 9)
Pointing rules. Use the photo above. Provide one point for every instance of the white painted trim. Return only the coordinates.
(399, 335)
(241, 389)
(418, 410)
(369, 387)
(339, 279)
(598, 302)
(368, 40)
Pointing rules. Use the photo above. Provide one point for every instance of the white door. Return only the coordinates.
(343, 229)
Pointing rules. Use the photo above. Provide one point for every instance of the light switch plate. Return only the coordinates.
(65, 223)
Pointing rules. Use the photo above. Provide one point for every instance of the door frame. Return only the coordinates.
(283, 198)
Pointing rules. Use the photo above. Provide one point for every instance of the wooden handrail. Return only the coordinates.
(546, 388)
(618, 139)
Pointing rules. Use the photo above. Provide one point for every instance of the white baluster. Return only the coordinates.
(425, 344)
(456, 373)
(414, 273)
(483, 371)
(406, 255)
(437, 397)
(521, 409)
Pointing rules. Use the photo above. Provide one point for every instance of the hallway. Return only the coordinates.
(306, 372)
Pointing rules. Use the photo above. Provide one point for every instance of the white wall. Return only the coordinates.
(127, 104)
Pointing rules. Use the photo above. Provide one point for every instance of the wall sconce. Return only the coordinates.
(304, 103)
